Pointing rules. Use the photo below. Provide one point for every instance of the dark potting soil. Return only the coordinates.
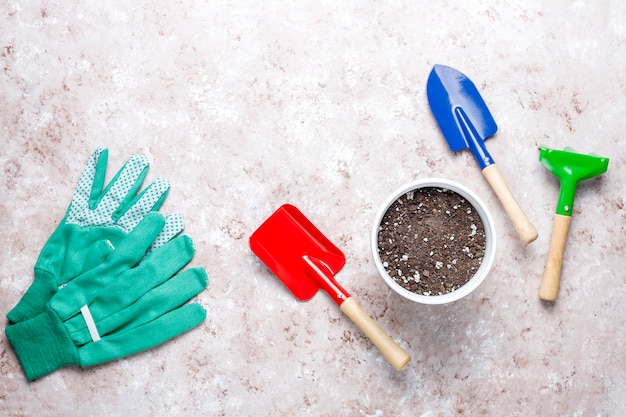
(431, 241)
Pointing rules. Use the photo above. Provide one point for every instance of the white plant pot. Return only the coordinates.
(490, 241)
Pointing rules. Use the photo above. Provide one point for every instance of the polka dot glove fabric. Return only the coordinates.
(98, 218)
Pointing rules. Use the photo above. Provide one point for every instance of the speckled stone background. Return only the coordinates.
(247, 105)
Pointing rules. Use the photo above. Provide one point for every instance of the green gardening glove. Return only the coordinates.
(95, 222)
(127, 304)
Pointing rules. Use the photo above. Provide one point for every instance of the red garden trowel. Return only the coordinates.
(305, 261)
(466, 122)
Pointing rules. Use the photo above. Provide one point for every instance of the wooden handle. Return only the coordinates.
(396, 356)
(524, 228)
(552, 272)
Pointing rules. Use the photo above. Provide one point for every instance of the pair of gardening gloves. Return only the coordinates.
(108, 283)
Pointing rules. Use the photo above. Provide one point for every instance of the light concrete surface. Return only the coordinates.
(246, 105)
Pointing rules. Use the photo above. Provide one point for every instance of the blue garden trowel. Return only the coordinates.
(466, 122)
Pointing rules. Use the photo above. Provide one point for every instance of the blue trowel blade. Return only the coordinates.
(450, 93)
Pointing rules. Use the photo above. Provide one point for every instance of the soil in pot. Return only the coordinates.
(431, 241)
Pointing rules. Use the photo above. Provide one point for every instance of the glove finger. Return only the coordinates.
(68, 301)
(153, 270)
(123, 187)
(89, 185)
(166, 297)
(99, 177)
(137, 339)
(150, 199)
(173, 226)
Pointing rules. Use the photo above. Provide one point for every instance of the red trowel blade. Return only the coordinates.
(283, 241)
